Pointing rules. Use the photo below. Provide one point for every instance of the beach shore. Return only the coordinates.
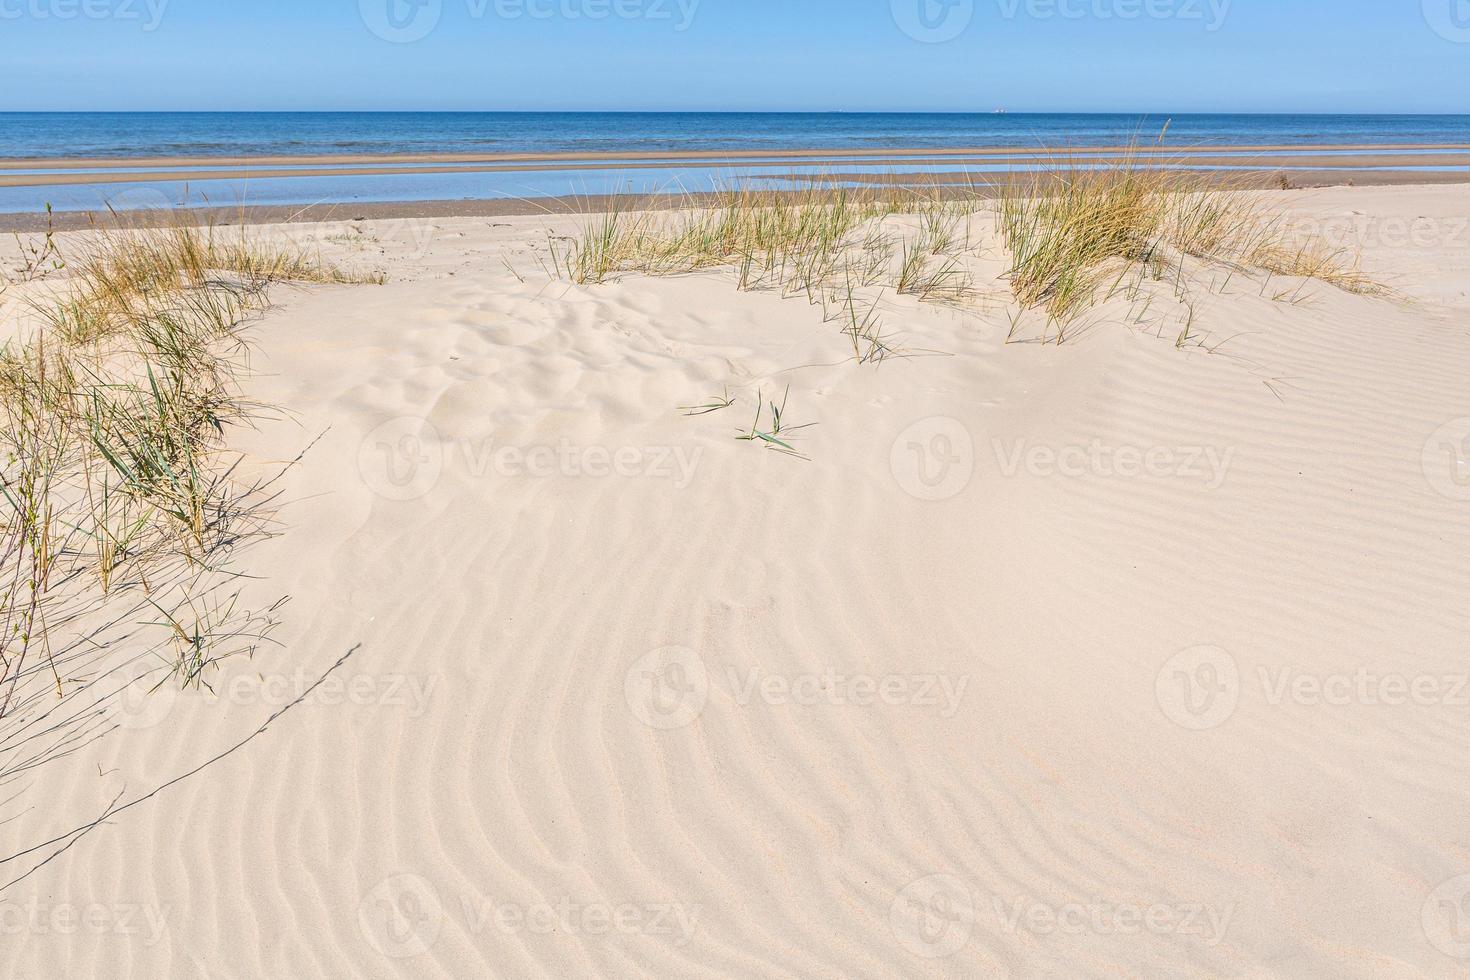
(1125, 656)
(885, 153)
(940, 186)
(532, 183)
(1406, 168)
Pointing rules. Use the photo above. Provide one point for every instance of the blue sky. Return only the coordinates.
(1025, 55)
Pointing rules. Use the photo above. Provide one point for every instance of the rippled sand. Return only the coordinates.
(1106, 659)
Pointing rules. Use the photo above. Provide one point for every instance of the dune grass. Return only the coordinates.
(39, 257)
(834, 246)
(127, 277)
(112, 418)
(1072, 229)
(1073, 234)
(1339, 267)
(793, 241)
(776, 433)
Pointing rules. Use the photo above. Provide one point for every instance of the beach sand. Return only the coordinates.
(1100, 659)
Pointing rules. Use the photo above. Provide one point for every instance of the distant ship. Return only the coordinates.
(1000, 112)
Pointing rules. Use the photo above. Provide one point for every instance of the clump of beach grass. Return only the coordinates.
(1339, 267)
(1074, 232)
(774, 434)
(113, 414)
(934, 280)
(1071, 229)
(1062, 228)
(129, 276)
(832, 245)
(790, 241)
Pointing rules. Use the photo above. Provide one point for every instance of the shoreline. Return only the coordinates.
(460, 184)
(944, 184)
(1274, 163)
(329, 159)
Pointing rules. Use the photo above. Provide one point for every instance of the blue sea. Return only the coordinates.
(106, 134)
(124, 137)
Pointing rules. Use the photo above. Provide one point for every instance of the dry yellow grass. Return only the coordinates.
(111, 420)
(1316, 260)
(1070, 231)
(123, 273)
(1073, 228)
(830, 245)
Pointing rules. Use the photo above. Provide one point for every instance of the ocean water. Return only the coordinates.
(104, 134)
(371, 188)
(129, 138)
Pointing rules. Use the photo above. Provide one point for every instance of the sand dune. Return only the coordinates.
(1095, 660)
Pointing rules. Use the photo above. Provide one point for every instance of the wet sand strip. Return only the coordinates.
(335, 162)
(959, 186)
(1366, 161)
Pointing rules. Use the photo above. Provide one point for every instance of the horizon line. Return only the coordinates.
(742, 112)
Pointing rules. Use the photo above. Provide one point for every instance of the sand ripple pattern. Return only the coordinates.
(714, 712)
